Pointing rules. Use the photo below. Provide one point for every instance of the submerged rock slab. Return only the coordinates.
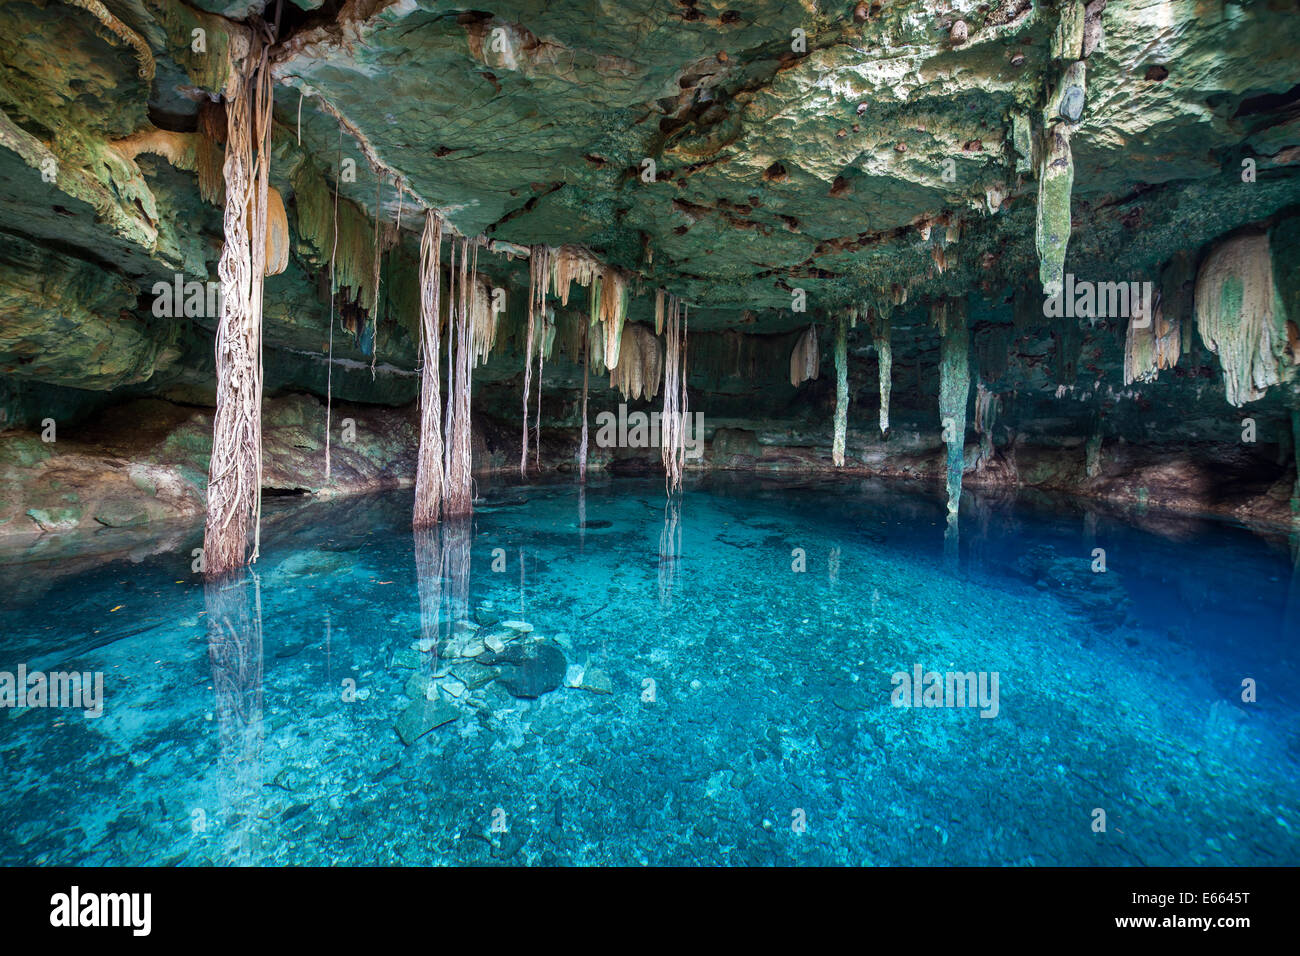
(529, 670)
(422, 717)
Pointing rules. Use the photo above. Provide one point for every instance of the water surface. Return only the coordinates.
(729, 709)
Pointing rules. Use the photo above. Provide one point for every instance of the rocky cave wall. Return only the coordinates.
(776, 165)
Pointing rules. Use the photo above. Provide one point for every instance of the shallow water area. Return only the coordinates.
(600, 677)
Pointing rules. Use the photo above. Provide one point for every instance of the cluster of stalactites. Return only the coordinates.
(1241, 317)
(640, 364)
(608, 296)
(805, 358)
(1154, 341)
(1078, 33)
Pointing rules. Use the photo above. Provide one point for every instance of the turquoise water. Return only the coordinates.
(727, 709)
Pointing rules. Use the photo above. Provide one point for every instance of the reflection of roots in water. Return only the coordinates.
(442, 568)
(235, 653)
(670, 549)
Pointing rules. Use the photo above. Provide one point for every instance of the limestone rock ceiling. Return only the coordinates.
(878, 152)
(873, 153)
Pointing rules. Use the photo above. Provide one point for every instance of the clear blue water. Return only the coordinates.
(744, 698)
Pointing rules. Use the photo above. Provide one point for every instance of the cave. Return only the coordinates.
(726, 433)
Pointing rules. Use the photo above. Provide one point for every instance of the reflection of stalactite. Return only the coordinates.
(670, 549)
(235, 654)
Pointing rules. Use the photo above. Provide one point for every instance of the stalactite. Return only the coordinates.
(954, 388)
(841, 390)
(1152, 342)
(1240, 316)
(326, 222)
(987, 405)
(208, 158)
(1055, 183)
(673, 420)
(805, 359)
(608, 294)
(235, 470)
(429, 472)
(881, 335)
(640, 364)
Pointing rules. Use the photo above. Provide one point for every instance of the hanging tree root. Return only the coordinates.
(429, 474)
(234, 481)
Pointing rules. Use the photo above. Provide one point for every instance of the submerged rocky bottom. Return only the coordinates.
(596, 678)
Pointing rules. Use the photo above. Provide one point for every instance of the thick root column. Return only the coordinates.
(841, 390)
(234, 478)
(458, 494)
(429, 473)
(954, 389)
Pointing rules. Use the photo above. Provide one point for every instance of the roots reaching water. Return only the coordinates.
(429, 474)
(673, 421)
(235, 471)
(458, 495)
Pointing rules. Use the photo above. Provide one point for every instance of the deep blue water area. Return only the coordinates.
(599, 677)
